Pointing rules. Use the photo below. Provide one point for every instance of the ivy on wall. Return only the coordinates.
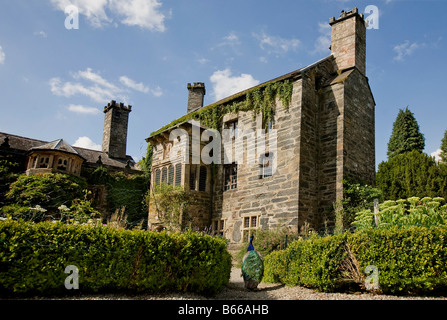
(258, 100)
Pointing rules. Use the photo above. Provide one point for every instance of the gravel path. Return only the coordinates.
(266, 291)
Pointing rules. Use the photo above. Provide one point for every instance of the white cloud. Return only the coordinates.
(437, 155)
(76, 108)
(157, 92)
(87, 143)
(41, 33)
(405, 49)
(142, 13)
(2, 55)
(91, 84)
(133, 85)
(93, 10)
(225, 85)
(323, 42)
(275, 44)
(95, 78)
(69, 89)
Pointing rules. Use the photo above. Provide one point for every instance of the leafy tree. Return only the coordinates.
(412, 174)
(406, 135)
(444, 148)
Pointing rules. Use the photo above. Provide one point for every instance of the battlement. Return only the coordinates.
(345, 15)
(120, 105)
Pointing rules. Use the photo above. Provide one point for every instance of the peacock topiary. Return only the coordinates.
(252, 267)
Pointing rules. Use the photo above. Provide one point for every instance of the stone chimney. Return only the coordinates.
(348, 45)
(195, 97)
(114, 139)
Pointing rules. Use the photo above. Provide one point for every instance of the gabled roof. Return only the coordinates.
(291, 75)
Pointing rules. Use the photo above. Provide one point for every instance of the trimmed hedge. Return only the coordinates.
(33, 258)
(410, 260)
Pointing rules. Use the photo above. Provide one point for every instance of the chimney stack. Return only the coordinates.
(195, 96)
(348, 45)
(114, 139)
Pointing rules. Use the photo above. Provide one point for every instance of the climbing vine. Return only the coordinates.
(258, 100)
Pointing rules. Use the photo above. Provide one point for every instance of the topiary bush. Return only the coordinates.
(33, 258)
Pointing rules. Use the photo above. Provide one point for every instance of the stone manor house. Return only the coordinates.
(325, 135)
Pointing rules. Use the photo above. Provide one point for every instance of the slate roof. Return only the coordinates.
(57, 145)
(22, 145)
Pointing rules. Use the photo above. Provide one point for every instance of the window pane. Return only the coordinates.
(178, 174)
(157, 176)
(164, 175)
(171, 175)
(247, 222)
(202, 179)
(254, 222)
(192, 178)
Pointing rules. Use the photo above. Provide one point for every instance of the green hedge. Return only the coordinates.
(33, 258)
(410, 260)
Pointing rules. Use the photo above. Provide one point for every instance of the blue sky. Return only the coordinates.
(54, 81)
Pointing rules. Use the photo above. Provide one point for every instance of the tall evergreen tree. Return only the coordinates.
(412, 174)
(406, 135)
(443, 154)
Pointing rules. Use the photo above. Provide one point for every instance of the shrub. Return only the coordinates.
(48, 191)
(33, 258)
(410, 260)
(312, 263)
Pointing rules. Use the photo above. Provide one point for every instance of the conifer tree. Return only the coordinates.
(443, 154)
(406, 135)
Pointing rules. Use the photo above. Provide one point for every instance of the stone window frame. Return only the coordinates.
(218, 226)
(251, 227)
(270, 126)
(233, 126)
(230, 182)
(62, 164)
(269, 156)
(170, 174)
(43, 162)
